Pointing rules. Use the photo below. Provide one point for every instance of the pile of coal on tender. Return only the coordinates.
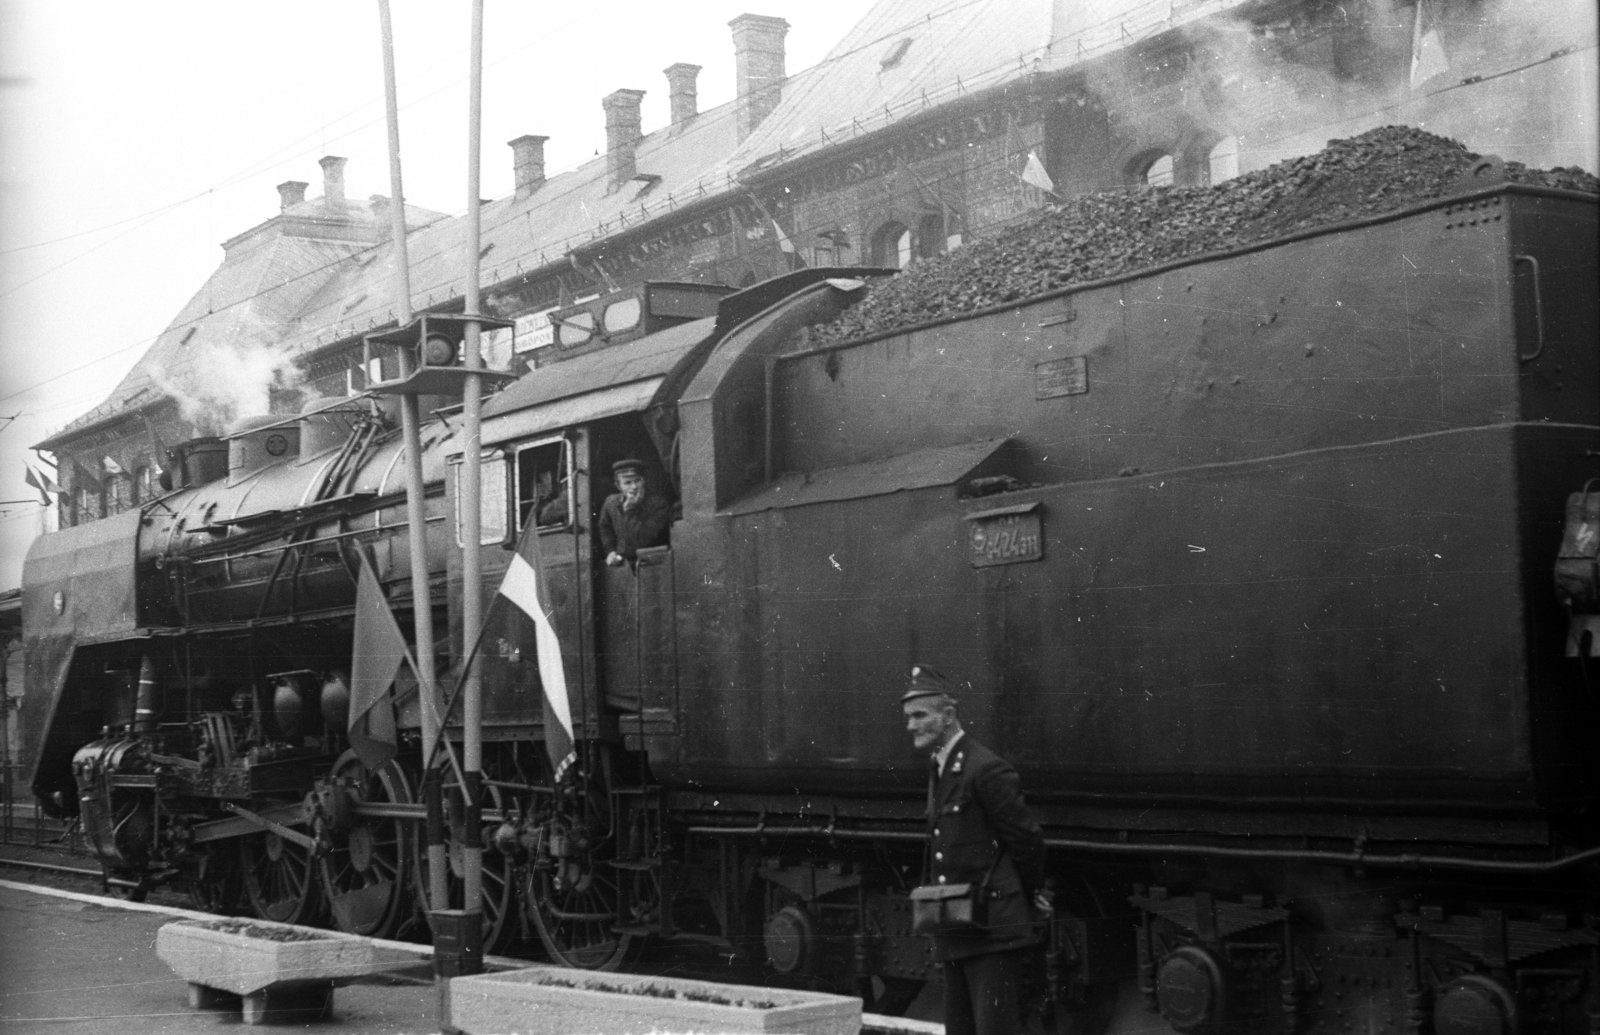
(1103, 235)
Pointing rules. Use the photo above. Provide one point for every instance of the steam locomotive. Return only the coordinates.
(1273, 572)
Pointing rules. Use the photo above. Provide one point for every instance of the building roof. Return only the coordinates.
(902, 57)
(241, 315)
(325, 277)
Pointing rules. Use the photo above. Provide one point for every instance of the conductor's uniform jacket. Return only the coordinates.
(975, 809)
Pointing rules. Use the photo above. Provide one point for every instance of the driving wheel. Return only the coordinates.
(500, 925)
(574, 895)
(366, 872)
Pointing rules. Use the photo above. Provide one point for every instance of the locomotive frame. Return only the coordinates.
(1259, 824)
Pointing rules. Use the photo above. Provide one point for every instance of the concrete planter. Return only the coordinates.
(573, 1002)
(280, 972)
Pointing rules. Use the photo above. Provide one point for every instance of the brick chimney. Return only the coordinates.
(622, 136)
(758, 61)
(681, 84)
(380, 215)
(291, 193)
(527, 157)
(332, 181)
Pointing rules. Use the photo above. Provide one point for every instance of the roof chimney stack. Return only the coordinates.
(332, 181)
(622, 136)
(685, 99)
(291, 193)
(527, 155)
(758, 61)
(380, 215)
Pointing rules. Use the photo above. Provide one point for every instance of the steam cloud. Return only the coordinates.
(1502, 77)
(217, 383)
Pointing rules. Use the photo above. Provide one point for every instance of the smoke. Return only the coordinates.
(215, 383)
(1502, 77)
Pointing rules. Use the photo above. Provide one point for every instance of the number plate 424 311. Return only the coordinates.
(1005, 535)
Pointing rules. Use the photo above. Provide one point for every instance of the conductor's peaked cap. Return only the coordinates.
(927, 681)
(627, 464)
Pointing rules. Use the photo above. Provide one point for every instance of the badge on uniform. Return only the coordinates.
(956, 767)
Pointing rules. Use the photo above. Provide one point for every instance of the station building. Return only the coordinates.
(926, 126)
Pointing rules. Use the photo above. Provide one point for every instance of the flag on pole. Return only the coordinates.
(378, 652)
(1428, 58)
(1033, 174)
(38, 481)
(525, 587)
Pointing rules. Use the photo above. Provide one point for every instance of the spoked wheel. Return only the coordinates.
(574, 894)
(280, 880)
(366, 874)
(500, 924)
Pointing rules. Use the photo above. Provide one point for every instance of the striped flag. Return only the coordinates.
(379, 650)
(524, 586)
(42, 482)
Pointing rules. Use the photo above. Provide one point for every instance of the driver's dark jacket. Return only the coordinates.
(975, 808)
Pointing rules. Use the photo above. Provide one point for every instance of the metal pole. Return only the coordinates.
(471, 469)
(416, 516)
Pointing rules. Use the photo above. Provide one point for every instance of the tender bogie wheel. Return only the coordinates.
(280, 880)
(367, 874)
(500, 922)
(575, 896)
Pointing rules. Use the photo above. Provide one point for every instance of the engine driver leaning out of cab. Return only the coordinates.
(632, 518)
(978, 826)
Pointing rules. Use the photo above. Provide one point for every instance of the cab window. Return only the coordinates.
(542, 485)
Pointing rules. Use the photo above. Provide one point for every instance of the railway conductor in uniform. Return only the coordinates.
(978, 827)
(632, 518)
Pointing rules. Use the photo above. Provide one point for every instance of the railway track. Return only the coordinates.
(8, 862)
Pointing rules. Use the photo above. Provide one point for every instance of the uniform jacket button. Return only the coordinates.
(955, 808)
(939, 856)
(941, 878)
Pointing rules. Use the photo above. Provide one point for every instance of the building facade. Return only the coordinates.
(924, 128)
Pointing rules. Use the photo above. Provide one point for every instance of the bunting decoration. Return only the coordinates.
(379, 651)
(524, 586)
(1033, 174)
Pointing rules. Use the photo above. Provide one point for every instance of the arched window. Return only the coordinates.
(143, 490)
(1224, 160)
(891, 246)
(1159, 172)
(930, 235)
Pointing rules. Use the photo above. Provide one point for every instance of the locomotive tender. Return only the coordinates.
(1273, 572)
